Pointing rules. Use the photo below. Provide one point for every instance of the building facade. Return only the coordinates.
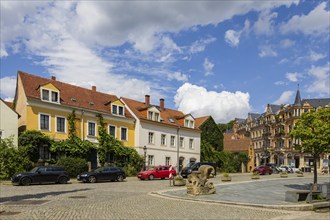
(8, 122)
(44, 105)
(164, 135)
(269, 133)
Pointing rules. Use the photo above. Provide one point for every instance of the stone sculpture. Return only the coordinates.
(198, 181)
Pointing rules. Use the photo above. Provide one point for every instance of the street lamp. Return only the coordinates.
(145, 157)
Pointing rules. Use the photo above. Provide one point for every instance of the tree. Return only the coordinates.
(313, 131)
(212, 134)
(32, 140)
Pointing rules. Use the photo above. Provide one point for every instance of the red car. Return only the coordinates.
(159, 172)
(262, 170)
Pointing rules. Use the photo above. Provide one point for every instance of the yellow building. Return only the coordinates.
(44, 105)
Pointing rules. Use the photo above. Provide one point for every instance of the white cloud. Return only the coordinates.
(232, 37)
(177, 76)
(223, 106)
(321, 84)
(267, 51)
(280, 83)
(316, 22)
(7, 87)
(265, 23)
(293, 77)
(314, 56)
(284, 98)
(200, 45)
(208, 67)
(286, 43)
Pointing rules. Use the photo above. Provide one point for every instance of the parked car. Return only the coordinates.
(293, 169)
(157, 172)
(263, 169)
(102, 174)
(274, 167)
(194, 167)
(284, 168)
(42, 174)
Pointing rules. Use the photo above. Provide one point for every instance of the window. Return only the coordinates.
(167, 161)
(150, 159)
(91, 129)
(44, 122)
(181, 142)
(112, 130)
(156, 116)
(191, 143)
(123, 134)
(189, 123)
(163, 139)
(54, 96)
(49, 96)
(117, 110)
(172, 140)
(60, 124)
(45, 95)
(151, 138)
(150, 114)
(44, 152)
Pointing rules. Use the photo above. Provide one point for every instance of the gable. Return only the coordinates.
(49, 86)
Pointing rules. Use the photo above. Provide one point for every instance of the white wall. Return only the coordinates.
(8, 122)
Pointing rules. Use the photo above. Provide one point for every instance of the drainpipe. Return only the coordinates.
(178, 159)
(82, 121)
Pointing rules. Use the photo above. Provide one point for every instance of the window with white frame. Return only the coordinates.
(182, 142)
(44, 122)
(91, 129)
(112, 130)
(191, 143)
(188, 123)
(167, 161)
(150, 115)
(118, 110)
(172, 141)
(150, 159)
(60, 124)
(156, 116)
(123, 134)
(163, 139)
(151, 138)
(50, 96)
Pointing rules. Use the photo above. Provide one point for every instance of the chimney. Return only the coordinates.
(147, 100)
(53, 78)
(161, 104)
(94, 88)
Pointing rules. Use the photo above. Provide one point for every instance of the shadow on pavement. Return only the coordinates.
(299, 186)
(38, 196)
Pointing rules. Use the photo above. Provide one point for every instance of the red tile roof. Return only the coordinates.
(9, 104)
(234, 143)
(167, 115)
(199, 121)
(83, 97)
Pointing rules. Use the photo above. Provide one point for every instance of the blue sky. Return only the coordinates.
(219, 58)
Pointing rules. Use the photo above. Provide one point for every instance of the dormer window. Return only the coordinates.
(118, 110)
(153, 115)
(189, 123)
(150, 115)
(49, 96)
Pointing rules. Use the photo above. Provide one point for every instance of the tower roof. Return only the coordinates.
(297, 101)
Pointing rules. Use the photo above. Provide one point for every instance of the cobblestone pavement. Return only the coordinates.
(126, 200)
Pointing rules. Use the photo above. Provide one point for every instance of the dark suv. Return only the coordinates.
(194, 167)
(44, 174)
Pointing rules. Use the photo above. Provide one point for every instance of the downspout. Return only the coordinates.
(178, 159)
(82, 121)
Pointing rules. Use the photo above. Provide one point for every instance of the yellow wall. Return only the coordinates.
(20, 103)
(50, 87)
(33, 120)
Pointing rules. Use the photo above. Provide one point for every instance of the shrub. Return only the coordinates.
(225, 174)
(130, 170)
(73, 165)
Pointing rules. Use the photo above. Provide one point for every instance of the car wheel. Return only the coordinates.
(26, 181)
(63, 180)
(92, 179)
(120, 178)
(151, 177)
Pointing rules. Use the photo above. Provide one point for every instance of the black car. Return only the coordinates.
(102, 174)
(43, 174)
(194, 167)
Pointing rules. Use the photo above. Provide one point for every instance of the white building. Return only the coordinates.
(169, 136)
(8, 122)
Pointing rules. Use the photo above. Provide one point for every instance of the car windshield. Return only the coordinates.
(150, 168)
(34, 170)
(99, 169)
(190, 165)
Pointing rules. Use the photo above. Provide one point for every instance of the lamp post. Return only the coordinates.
(145, 157)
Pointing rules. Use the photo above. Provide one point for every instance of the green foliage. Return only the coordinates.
(313, 130)
(12, 160)
(125, 157)
(73, 165)
(73, 147)
(212, 134)
(72, 124)
(32, 140)
(225, 174)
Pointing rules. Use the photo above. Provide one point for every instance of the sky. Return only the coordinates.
(219, 58)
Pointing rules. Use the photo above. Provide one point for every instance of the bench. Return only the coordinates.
(307, 195)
